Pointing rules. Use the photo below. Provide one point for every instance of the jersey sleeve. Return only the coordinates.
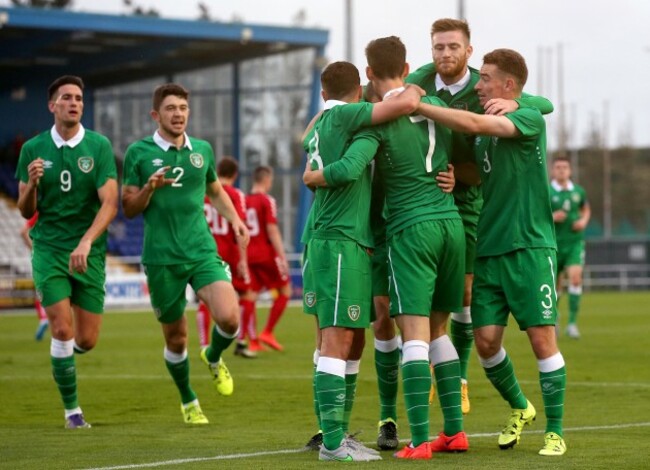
(528, 121)
(434, 100)
(24, 160)
(421, 75)
(356, 116)
(539, 102)
(270, 210)
(131, 172)
(351, 165)
(106, 164)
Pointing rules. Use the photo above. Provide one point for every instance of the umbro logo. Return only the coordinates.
(547, 314)
(157, 162)
(47, 164)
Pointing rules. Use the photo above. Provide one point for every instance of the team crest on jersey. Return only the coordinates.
(460, 105)
(157, 162)
(477, 141)
(555, 199)
(354, 312)
(196, 159)
(86, 164)
(576, 198)
(310, 299)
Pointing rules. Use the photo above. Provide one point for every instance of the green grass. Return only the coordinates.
(133, 406)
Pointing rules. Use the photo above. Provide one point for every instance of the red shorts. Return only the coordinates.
(266, 275)
(238, 282)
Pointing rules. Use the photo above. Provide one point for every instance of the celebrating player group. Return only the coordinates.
(432, 210)
(386, 243)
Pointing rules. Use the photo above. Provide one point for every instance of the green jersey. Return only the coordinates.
(516, 211)
(175, 227)
(571, 199)
(67, 199)
(341, 210)
(411, 151)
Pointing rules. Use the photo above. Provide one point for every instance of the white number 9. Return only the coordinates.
(66, 181)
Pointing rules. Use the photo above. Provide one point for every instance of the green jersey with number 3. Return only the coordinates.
(67, 199)
(175, 228)
(516, 201)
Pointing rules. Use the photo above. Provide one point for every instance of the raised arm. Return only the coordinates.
(471, 123)
(400, 105)
(135, 200)
(27, 191)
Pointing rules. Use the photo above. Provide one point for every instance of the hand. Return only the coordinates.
(158, 180)
(559, 216)
(79, 257)
(579, 225)
(416, 88)
(446, 180)
(500, 106)
(283, 266)
(241, 232)
(242, 271)
(35, 171)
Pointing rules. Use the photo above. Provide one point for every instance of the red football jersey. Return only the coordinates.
(221, 229)
(260, 211)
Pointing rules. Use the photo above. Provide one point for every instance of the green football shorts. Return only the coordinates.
(570, 254)
(426, 264)
(380, 270)
(167, 284)
(54, 282)
(339, 283)
(521, 282)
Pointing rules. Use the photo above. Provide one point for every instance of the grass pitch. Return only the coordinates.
(128, 396)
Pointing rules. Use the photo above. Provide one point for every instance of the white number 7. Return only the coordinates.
(431, 126)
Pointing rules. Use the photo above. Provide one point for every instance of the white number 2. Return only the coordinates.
(431, 126)
(66, 181)
(180, 172)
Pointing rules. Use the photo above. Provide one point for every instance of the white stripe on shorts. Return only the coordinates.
(399, 300)
(338, 288)
(550, 261)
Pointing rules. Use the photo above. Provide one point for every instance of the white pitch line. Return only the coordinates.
(296, 451)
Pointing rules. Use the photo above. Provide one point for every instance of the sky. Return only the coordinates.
(606, 46)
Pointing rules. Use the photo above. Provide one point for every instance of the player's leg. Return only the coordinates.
(204, 324)
(316, 440)
(490, 313)
(352, 366)
(574, 273)
(167, 286)
(462, 332)
(283, 286)
(42, 320)
(248, 323)
(87, 300)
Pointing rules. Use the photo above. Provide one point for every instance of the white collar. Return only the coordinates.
(558, 187)
(72, 143)
(329, 104)
(393, 92)
(454, 87)
(163, 144)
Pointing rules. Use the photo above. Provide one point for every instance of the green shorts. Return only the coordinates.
(469, 213)
(521, 282)
(167, 284)
(426, 263)
(342, 295)
(380, 271)
(308, 286)
(570, 254)
(54, 282)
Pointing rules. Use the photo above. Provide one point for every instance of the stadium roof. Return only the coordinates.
(108, 49)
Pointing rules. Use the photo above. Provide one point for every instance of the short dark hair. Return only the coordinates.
(64, 80)
(339, 79)
(163, 91)
(509, 62)
(227, 167)
(445, 25)
(262, 172)
(386, 57)
(561, 158)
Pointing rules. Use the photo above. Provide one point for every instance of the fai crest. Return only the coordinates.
(196, 159)
(310, 299)
(86, 164)
(354, 311)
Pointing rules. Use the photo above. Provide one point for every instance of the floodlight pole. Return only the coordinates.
(461, 9)
(348, 31)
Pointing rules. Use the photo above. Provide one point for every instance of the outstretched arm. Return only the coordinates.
(471, 123)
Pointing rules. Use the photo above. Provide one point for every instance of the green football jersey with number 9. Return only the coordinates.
(175, 227)
(67, 199)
